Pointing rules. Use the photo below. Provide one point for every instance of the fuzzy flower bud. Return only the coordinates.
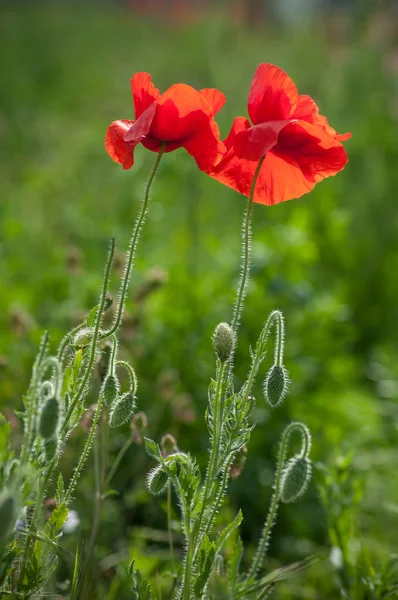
(49, 418)
(223, 341)
(157, 481)
(295, 478)
(276, 385)
(7, 515)
(122, 410)
(83, 337)
(110, 390)
(168, 445)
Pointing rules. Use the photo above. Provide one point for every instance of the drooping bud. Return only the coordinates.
(295, 478)
(157, 481)
(49, 418)
(223, 341)
(110, 390)
(168, 445)
(7, 515)
(276, 385)
(122, 410)
(83, 337)
(50, 448)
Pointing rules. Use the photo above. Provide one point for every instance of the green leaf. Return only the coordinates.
(205, 559)
(152, 449)
(92, 316)
(234, 564)
(141, 586)
(225, 533)
(57, 520)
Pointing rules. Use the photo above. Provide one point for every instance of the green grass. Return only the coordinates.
(327, 260)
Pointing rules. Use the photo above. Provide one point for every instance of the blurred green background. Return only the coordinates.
(328, 260)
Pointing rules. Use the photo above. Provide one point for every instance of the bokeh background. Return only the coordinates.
(328, 260)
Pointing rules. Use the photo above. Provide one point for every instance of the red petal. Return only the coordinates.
(205, 146)
(317, 153)
(118, 149)
(273, 95)
(144, 92)
(141, 126)
(307, 110)
(214, 98)
(181, 112)
(255, 142)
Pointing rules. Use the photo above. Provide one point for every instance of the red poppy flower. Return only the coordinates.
(180, 117)
(299, 145)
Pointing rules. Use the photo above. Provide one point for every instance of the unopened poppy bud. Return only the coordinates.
(7, 515)
(122, 410)
(295, 478)
(157, 481)
(110, 390)
(49, 418)
(139, 422)
(276, 385)
(83, 337)
(223, 341)
(50, 448)
(168, 445)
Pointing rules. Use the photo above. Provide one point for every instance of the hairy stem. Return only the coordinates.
(270, 521)
(132, 249)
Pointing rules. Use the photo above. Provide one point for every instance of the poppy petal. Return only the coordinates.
(255, 142)
(206, 147)
(307, 110)
(214, 98)
(317, 153)
(118, 149)
(273, 95)
(141, 126)
(144, 92)
(181, 112)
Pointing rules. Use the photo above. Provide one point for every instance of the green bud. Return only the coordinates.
(295, 478)
(50, 448)
(7, 515)
(276, 385)
(157, 481)
(49, 418)
(223, 341)
(83, 337)
(168, 445)
(122, 410)
(110, 390)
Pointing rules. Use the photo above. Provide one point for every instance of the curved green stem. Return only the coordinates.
(132, 249)
(270, 521)
(132, 375)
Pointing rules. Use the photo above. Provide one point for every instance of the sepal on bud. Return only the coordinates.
(50, 448)
(276, 385)
(157, 481)
(83, 337)
(122, 410)
(223, 341)
(295, 478)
